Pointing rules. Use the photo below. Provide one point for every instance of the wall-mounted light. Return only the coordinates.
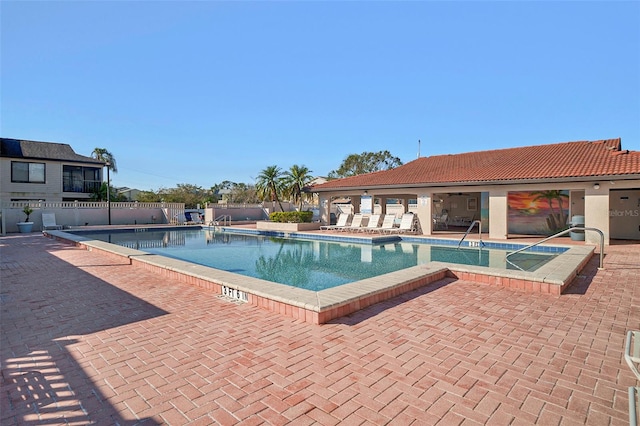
(596, 186)
(366, 192)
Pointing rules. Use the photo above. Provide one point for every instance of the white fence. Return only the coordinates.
(80, 213)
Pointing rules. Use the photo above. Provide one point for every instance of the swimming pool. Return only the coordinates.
(306, 263)
(322, 306)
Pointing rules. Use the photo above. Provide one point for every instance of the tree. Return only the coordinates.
(101, 154)
(148, 197)
(367, 162)
(269, 184)
(555, 220)
(190, 195)
(294, 181)
(101, 194)
(243, 193)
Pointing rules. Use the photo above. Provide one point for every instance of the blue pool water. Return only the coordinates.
(310, 264)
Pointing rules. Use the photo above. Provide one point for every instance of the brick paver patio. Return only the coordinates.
(87, 339)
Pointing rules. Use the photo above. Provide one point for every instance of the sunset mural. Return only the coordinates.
(539, 212)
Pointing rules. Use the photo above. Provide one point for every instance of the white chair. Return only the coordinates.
(634, 393)
(340, 223)
(49, 221)
(407, 225)
(632, 351)
(374, 219)
(388, 223)
(356, 223)
(179, 219)
(441, 222)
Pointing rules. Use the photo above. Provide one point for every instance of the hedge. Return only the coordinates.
(291, 217)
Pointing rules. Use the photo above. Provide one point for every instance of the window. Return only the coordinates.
(27, 172)
(80, 179)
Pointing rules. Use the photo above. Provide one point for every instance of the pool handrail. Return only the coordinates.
(469, 230)
(566, 231)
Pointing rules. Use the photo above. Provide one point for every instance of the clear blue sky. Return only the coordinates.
(202, 92)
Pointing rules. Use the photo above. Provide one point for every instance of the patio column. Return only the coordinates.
(383, 205)
(498, 214)
(424, 211)
(596, 212)
(325, 209)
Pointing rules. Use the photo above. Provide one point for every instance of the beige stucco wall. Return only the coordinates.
(51, 190)
(596, 213)
(624, 214)
(498, 212)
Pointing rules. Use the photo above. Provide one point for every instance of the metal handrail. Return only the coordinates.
(224, 218)
(566, 231)
(469, 230)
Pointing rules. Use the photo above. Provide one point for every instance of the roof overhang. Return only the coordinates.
(476, 183)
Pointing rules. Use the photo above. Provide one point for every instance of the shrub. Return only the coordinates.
(27, 211)
(291, 217)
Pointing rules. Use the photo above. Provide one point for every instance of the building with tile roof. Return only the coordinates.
(594, 180)
(46, 171)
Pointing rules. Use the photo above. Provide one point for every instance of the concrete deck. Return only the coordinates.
(90, 339)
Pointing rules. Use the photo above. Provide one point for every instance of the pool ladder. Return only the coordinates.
(223, 220)
(480, 243)
(559, 234)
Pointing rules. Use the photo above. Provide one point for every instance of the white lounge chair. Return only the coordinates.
(388, 223)
(179, 219)
(49, 221)
(441, 222)
(195, 218)
(374, 220)
(356, 223)
(634, 394)
(340, 223)
(632, 351)
(406, 225)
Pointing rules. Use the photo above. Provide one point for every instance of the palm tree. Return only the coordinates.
(269, 184)
(102, 154)
(295, 180)
(550, 196)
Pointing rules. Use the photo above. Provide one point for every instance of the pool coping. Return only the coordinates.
(325, 305)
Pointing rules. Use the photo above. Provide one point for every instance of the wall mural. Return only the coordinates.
(538, 212)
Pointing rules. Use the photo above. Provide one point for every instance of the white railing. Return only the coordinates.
(88, 205)
(84, 213)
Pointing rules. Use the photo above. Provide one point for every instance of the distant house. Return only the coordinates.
(534, 190)
(33, 171)
(128, 194)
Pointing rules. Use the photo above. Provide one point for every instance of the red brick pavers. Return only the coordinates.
(87, 339)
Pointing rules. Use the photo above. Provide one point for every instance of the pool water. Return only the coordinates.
(305, 263)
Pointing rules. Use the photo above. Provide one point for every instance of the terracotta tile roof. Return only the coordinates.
(540, 162)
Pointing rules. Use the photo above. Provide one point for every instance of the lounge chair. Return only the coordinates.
(374, 220)
(340, 223)
(179, 219)
(388, 223)
(49, 221)
(356, 224)
(406, 225)
(632, 351)
(441, 222)
(195, 218)
(634, 394)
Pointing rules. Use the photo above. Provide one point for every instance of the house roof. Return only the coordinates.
(16, 148)
(568, 160)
